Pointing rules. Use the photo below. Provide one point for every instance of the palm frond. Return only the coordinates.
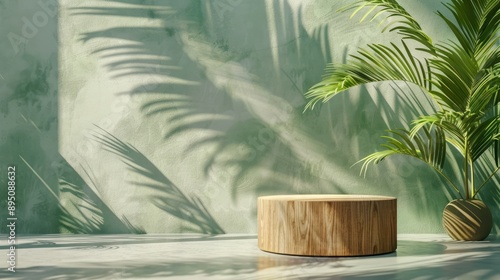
(404, 23)
(496, 144)
(429, 146)
(376, 64)
(453, 75)
(456, 126)
(476, 24)
(483, 136)
(485, 90)
(461, 84)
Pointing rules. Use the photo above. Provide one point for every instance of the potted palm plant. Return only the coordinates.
(462, 77)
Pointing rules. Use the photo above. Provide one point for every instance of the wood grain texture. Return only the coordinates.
(327, 225)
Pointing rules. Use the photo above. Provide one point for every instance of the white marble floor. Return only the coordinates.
(190, 257)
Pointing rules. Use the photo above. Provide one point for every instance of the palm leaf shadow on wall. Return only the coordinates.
(104, 218)
(86, 212)
(43, 175)
(171, 199)
(186, 101)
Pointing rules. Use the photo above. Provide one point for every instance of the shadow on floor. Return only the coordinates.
(237, 257)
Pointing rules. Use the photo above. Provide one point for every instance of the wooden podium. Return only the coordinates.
(327, 225)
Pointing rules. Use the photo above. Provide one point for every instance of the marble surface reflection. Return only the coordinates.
(237, 257)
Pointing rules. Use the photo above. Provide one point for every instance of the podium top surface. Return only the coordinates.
(327, 197)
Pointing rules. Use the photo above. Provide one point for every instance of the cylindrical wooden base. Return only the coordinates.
(327, 225)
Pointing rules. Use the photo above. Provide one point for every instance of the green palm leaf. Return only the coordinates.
(376, 64)
(405, 24)
(454, 73)
(483, 136)
(429, 146)
(476, 24)
(462, 76)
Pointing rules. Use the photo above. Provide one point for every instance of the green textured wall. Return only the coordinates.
(28, 112)
(175, 115)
